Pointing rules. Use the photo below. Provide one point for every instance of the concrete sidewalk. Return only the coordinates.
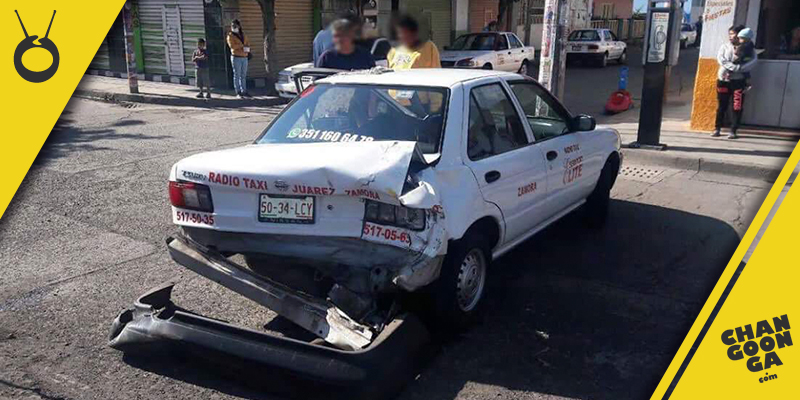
(753, 155)
(171, 94)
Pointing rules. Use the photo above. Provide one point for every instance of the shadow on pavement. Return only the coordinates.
(571, 312)
(585, 314)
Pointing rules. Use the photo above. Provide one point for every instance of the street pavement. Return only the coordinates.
(571, 313)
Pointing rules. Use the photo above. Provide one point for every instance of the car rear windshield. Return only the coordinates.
(482, 41)
(362, 113)
(584, 36)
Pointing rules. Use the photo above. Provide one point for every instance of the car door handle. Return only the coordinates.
(552, 155)
(492, 176)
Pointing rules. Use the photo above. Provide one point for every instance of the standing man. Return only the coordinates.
(412, 52)
(345, 54)
(698, 27)
(323, 41)
(240, 54)
(731, 83)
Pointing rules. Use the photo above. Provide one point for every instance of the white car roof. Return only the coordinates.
(435, 77)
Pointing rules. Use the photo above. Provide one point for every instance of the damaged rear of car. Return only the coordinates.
(373, 197)
(334, 203)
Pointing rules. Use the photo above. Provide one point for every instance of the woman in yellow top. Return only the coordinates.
(412, 52)
(240, 50)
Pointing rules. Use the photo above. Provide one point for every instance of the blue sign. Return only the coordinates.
(623, 78)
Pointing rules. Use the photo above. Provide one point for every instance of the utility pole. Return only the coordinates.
(527, 22)
(130, 55)
(552, 64)
(660, 53)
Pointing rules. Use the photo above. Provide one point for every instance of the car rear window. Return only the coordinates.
(358, 113)
(584, 36)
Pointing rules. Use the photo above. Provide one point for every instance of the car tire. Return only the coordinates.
(487, 66)
(524, 68)
(603, 61)
(623, 58)
(458, 293)
(596, 207)
(683, 44)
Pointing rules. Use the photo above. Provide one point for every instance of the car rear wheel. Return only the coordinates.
(487, 66)
(683, 44)
(623, 58)
(523, 69)
(458, 293)
(603, 61)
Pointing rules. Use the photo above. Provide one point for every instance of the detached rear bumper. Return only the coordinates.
(376, 370)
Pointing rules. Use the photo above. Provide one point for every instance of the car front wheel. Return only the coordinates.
(596, 207)
(523, 69)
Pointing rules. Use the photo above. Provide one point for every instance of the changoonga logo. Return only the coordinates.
(767, 338)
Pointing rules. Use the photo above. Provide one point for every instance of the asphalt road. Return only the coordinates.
(571, 313)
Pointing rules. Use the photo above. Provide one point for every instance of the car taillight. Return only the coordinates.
(387, 214)
(594, 47)
(191, 196)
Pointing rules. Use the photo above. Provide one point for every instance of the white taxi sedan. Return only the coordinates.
(374, 184)
(597, 46)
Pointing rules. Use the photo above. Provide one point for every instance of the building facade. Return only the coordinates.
(612, 9)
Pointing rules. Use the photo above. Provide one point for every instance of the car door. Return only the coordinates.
(517, 50)
(505, 59)
(509, 170)
(571, 160)
(619, 46)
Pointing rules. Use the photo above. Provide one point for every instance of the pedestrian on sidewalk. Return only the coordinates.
(731, 83)
(201, 74)
(240, 54)
(345, 54)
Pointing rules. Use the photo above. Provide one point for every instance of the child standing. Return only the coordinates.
(202, 76)
(745, 52)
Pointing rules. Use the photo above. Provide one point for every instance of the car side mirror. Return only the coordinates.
(583, 123)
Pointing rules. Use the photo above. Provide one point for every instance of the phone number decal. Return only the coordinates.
(385, 234)
(194, 218)
(327, 136)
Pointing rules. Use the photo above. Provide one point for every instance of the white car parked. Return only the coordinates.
(688, 36)
(596, 45)
(373, 184)
(286, 88)
(502, 51)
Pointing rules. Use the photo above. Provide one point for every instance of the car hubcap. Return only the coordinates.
(471, 278)
(524, 69)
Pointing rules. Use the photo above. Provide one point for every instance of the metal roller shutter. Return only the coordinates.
(294, 36)
(185, 23)
(295, 32)
(481, 12)
(434, 17)
(253, 27)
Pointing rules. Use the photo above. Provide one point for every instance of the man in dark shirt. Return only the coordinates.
(345, 54)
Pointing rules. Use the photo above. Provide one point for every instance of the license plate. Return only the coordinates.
(286, 209)
(576, 48)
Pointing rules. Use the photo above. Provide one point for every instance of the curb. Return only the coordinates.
(178, 101)
(740, 170)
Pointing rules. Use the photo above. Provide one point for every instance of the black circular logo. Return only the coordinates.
(27, 44)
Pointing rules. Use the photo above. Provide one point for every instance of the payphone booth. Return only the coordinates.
(661, 50)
